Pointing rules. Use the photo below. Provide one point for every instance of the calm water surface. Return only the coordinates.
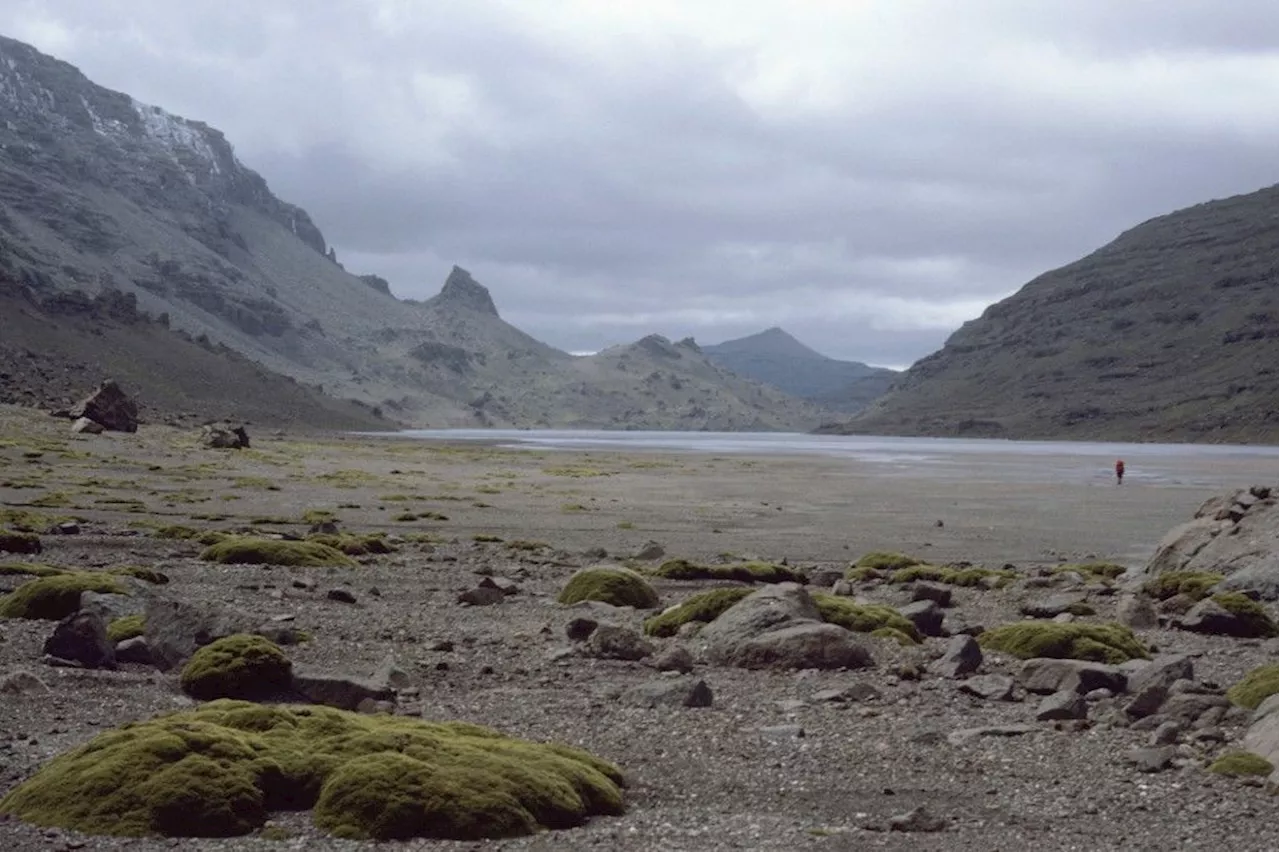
(991, 460)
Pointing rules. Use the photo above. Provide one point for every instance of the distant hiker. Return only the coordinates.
(1119, 471)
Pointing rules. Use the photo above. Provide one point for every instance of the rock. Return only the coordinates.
(175, 628)
(22, 682)
(1061, 706)
(1044, 675)
(962, 656)
(842, 588)
(1137, 611)
(342, 595)
(1179, 604)
(1054, 605)
(111, 607)
(917, 819)
(1208, 616)
(109, 407)
(502, 584)
(1261, 737)
(389, 673)
(611, 642)
(675, 658)
(992, 687)
(1146, 701)
(1166, 733)
(134, 650)
(825, 578)
(335, 690)
(1164, 670)
(965, 735)
(782, 733)
(926, 615)
(678, 692)
(20, 542)
(1152, 759)
(82, 638)
(482, 596)
(578, 629)
(65, 528)
(772, 607)
(936, 592)
(1188, 707)
(224, 436)
(854, 692)
(85, 426)
(801, 646)
(650, 551)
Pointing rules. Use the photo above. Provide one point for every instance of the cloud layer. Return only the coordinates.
(867, 175)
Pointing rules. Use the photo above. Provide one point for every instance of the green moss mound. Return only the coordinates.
(1102, 643)
(352, 544)
(55, 597)
(138, 572)
(883, 560)
(19, 542)
(219, 770)
(894, 634)
(1255, 687)
(126, 627)
(863, 574)
(968, 577)
(864, 618)
(1254, 620)
(705, 608)
(1240, 763)
(1193, 584)
(743, 572)
(247, 550)
(239, 666)
(616, 586)
(9, 569)
(1104, 571)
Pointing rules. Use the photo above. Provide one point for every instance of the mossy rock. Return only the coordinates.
(1193, 584)
(705, 607)
(126, 627)
(352, 544)
(1098, 571)
(248, 550)
(1254, 620)
(967, 577)
(138, 572)
(183, 533)
(1103, 643)
(1255, 687)
(616, 586)
(219, 770)
(743, 572)
(239, 666)
(883, 560)
(32, 569)
(19, 542)
(863, 618)
(894, 634)
(1241, 763)
(863, 574)
(55, 597)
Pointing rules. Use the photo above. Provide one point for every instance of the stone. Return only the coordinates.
(825, 578)
(1151, 759)
(1054, 605)
(992, 687)
(134, 650)
(962, 656)
(176, 628)
(482, 596)
(1164, 670)
(1059, 706)
(1261, 737)
(1044, 675)
(65, 528)
(918, 818)
(1137, 611)
(1146, 701)
(336, 690)
(1166, 733)
(111, 607)
(926, 615)
(502, 584)
(109, 407)
(782, 733)
(801, 646)
(650, 551)
(578, 629)
(842, 588)
(611, 642)
(669, 692)
(224, 436)
(965, 735)
(853, 693)
(85, 426)
(1187, 707)
(389, 672)
(340, 595)
(1208, 616)
(22, 682)
(674, 658)
(82, 638)
(936, 592)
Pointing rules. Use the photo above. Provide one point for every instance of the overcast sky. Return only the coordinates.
(867, 174)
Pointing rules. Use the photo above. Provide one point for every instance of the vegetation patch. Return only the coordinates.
(19, 542)
(1103, 643)
(353, 544)
(23, 520)
(52, 500)
(1099, 571)
(1255, 687)
(1193, 584)
(248, 550)
(968, 577)
(745, 572)
(138, 572)
(31, 569)
(53, 598)
(616, 586)
(576, 471)
(239, 666)
(1241, 763)
(894, 634)
(705, 607)
(318, 516)
(182, 533)
(863, 574)
(483, 538)
(527, 546)
(220, 769)
(864, 618)
(126, 627)
(1254, 621)
(884, 560)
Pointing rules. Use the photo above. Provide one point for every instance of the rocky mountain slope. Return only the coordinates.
(1169, 333)
(102, 194)
(776, 358)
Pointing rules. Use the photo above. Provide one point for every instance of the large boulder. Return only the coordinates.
(224, 436)
(176, 629)
(1232, 534)
(780, 627)
(109, 407)
(82, 638)
(1261, 738)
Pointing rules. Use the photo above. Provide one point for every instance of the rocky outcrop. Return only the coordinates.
(109, 407)
(780, 627)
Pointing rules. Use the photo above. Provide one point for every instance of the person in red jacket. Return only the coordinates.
(1119, 471)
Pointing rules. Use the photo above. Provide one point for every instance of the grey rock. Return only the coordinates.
(1261, 737)
(111, 607)
(825, 578)
(1166, 733)
(1063, 602)
(502, 584)
(936, 592)
(337, 690)
(1208, 616)
(918, 819)
(340, 595)
(964, 735)
(1187, 707)
(842, 588)
(678, 692)
(22, 682)
(926, 615)
(962, 656)
(992, 687)
(390, 673)
(782, 733)
(82, 638)
(1146, 701)
(176, 628)
(1101, 694)
(650, 551)
(1044, 675)
(674, 658)
(578, 629)
(1137, 611)
(482, 596)
(611, 642)
(792, 705)
(1152, 759)
(1164, 670)
(109, 407)
(854, 692)
(134, 650)
(224, 436)
(801, 646)
(1061, 706)
(85, 426)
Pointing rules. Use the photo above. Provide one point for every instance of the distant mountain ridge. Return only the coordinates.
(776, 358)
(1168, 333)
(101, 194)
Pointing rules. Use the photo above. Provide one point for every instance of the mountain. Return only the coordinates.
(1169, 333)
(776, 358)
(110, 198)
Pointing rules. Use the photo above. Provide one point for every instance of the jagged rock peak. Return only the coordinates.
(463, 291)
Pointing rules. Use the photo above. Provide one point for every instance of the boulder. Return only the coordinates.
(770, 608)
(1163, 671)
(1209, 616)
(1138, 612)
(679, 692)
(335, 690)
(650, 551)
(811, 645)
(85, 426)
(82, 638)
(1062, 706)
(1044, 676)
(1261, 736)
(962, 656)
(110, 607)
(176, 628)
(109, 407)
(224, 436)
(675, 658)
(1055, 605)
(135, 650)
(611, 642)
(926, 615)
(992, 687)
(936, 592)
